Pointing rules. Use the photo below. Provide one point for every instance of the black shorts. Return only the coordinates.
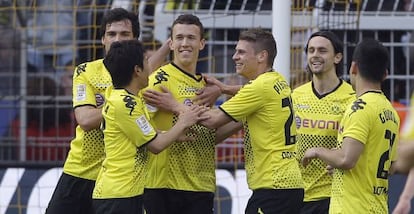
(316, 207)
(119, 205)
(279, 201)
(72, 195)
(170, 201)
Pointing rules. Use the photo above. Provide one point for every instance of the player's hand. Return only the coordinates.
(162, 100)
(192, 115)
(188, 136)
(213, 81)
(403, 206)
(330, 170)
(308, 156)
(209, 94)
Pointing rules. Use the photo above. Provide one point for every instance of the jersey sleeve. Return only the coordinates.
(155, 81)
(357, 122)
(134, 122)
(83, 93)
(245, 102)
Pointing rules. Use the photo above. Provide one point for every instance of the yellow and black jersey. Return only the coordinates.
(372, 120)
(127, 130)
(87, 148)
(264, 105)
(317, 121)
(186, 166)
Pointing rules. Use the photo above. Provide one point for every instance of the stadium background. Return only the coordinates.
(42, 40)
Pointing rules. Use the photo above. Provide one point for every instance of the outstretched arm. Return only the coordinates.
(343, 158)
(227, 130)
(215, 118)
(405, 159)
(163, 100)
(404, 202)
(158, 58)
(214, 88)
(186, 119)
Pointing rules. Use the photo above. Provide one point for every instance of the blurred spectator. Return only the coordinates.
(88, 15)
(66, 80)
(51, 34)
(49, 125)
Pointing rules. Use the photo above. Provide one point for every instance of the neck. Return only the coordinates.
(259, 71)
(325, 83)
(365, 86)
(133, 88)
(189, 67)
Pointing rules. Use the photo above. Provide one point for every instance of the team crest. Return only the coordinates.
(298, 122)
(336, 109)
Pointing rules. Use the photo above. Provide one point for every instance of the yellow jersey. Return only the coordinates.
(127, 130)
(264, 106)
(317, 121)
(86, 153)
(372, 120)
(188, 166)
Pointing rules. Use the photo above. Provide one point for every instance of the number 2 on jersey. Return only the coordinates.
(381, 171)
(289, 140)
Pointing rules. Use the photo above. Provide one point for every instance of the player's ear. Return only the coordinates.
(137, 68)
(202, 44)
(385, 75)
(262, 55)
(353, 70)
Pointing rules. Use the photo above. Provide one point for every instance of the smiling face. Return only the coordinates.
(117, 31)
(245, 59)
(186, 43)
(321, 57)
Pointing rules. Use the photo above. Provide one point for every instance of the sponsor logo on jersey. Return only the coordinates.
(357, 105)
(316, 124)
(302, 106)
(80, 69)
(188, 102)
(103, 85)
(191, 89)
(161, 76)
(100, 100)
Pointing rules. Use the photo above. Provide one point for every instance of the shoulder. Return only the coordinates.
(304, 88)
(346, 87)
(90, 67)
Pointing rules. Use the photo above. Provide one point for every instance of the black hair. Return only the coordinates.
(121, 60)
(189, 19)
(337, 45)
(372, 59)
(119, 14)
